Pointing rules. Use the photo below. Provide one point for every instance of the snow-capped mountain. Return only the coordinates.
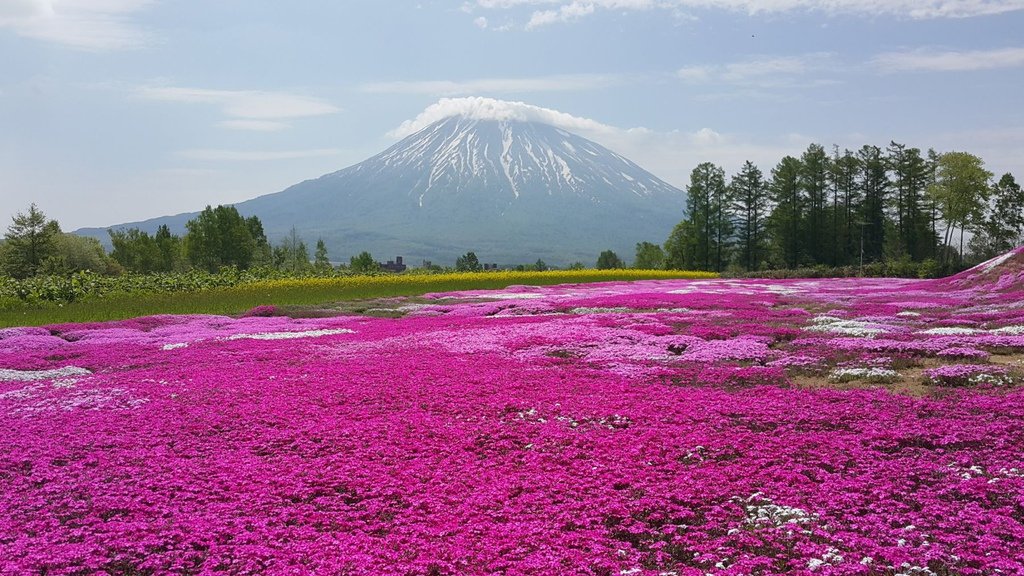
(506, 158)
(512, 191)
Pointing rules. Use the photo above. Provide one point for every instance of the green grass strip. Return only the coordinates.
(305, 292)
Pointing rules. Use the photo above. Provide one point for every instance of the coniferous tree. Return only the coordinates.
(320, 260)
(709, 223)
(814, 171)
(29, 242)
(749, 208)
(910, 175)
(786, 218)
(874, 185)
(846, 199)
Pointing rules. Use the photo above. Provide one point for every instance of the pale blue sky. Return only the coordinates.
(120, 110)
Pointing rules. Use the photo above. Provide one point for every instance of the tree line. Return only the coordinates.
(842, 209)
(217, 238)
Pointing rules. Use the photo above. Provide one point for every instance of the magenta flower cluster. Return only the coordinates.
(650, 428)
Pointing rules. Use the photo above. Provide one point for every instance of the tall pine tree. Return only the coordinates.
(749, 208)
(787, 216)
(874, 185)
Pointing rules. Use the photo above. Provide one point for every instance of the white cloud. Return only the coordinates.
(950, 61)
(82, 24)
(251, 104)
(495, 85)
(481, 22)
(218, 155)
(567, 13)
(254, 125)
(557, 11)
(763, 71)
(695, 74)
(768, 66)
(490, 109)
(245, 109)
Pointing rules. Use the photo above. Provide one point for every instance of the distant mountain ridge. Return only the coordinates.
(511, 191)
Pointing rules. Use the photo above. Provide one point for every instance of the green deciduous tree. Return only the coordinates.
(608, 260)
(649, 256)
(680, 249)
(73, 253)
(220, 237)
(137, 251)
(363, 263)
(960, 191)
(468, 262)
(1003, 228)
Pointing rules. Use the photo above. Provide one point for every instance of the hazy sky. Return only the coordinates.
(120, 110)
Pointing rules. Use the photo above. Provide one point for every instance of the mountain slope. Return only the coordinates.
(511, 191)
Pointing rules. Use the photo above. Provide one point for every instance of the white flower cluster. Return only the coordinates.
(30, 375)
(991, 379)
(289, 335)
(586, 310)
(268, 336)
(1009, 331)
(831, 557)
(763, 512)
(873, 374)
(906, 569)
(833, 325)
(950, 331)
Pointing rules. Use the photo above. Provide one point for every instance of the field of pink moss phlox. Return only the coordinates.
(810, 427)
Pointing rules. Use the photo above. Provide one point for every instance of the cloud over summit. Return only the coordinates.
(478, 108)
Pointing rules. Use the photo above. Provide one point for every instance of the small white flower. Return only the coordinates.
(950, 331)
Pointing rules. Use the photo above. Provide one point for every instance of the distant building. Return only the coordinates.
(395, 265)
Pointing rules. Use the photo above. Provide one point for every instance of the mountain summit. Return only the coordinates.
(512, 191)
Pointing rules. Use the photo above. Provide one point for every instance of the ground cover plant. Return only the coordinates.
(660, 427)
(85, 296)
